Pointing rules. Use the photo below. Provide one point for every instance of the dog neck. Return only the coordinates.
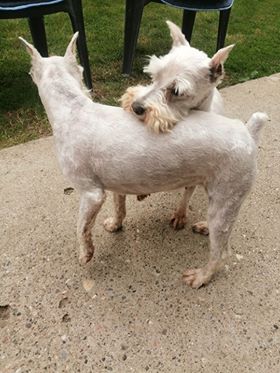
(205, 103)
(61, 96)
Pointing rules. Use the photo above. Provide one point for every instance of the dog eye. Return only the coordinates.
(175, 92)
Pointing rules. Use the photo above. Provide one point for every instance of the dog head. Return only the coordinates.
(52, 67)
(182, 80)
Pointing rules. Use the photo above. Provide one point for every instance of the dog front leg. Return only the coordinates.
(201, 227)
(179, 218)
(114, 223)
(90, 204)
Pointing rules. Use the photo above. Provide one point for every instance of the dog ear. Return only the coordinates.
(31, 49)
(221, 56)
(177, 36)
(71, 49)
(217, 61)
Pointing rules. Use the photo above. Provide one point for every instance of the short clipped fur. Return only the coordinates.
(101, 148)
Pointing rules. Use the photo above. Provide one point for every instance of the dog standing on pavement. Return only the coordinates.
(103, 148)
(185, 79)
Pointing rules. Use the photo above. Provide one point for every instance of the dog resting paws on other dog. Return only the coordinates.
(182, 80)
(93, 142)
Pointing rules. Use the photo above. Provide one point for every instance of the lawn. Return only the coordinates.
(254, 27)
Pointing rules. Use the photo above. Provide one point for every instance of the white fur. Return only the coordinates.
(185, 71)
(102, 148)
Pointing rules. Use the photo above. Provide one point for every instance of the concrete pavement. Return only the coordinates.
(128, 310)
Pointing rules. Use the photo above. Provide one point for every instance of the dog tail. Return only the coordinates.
(255, 124)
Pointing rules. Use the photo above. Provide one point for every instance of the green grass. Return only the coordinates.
(254, 27)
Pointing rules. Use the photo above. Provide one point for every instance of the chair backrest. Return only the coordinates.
(29, 8)
(24, 4)
(199, 5)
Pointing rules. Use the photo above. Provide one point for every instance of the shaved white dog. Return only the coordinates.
(182, 80)
(101, 148)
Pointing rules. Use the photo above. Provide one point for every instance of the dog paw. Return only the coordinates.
(201, 227)
(111, 225)
(85, 255)
(178, 221)
(195, 278)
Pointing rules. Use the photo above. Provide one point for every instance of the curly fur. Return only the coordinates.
(182, 80)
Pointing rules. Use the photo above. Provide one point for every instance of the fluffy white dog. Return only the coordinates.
(183, 79)
(101, 148)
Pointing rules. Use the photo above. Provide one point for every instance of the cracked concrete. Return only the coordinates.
(128, 310)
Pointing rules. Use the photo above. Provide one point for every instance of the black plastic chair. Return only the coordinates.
(35, 10)
(133, 16)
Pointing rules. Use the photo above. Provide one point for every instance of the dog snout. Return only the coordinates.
(138, 108)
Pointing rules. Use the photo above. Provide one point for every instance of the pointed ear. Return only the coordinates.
(221, 56)
(71, 49)
(177, 36)
(217, 63)
(31, 49)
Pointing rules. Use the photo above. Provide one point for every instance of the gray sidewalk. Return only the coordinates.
(128, 310)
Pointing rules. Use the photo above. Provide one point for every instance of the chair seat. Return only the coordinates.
(197, 5)
(25, 4)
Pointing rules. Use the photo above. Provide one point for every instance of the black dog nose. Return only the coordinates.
(138, 108)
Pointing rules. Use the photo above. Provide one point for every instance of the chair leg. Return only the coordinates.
(38, 33)
(223, 25)
(77, 20)
(188, 22)
(133, 16)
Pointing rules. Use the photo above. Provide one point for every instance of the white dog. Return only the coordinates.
(183, 79)
(102, 148)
